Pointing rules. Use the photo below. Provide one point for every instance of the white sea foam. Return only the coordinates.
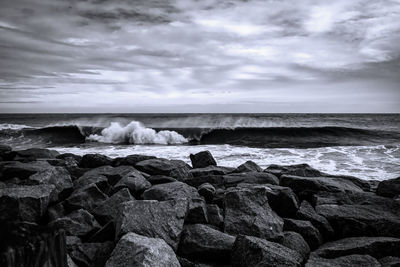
(10, 126)
(136, 133)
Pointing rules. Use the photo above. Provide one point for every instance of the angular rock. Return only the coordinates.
(56, 211)
(136, 250)
(151, 218)
(389, 188)
(390, 261)
(249, 251)
(85, 198)
(197, 211)
(77, 158)
(247, 212)
(113, 174)
(210, 170)
(345, 261)
(251, 178)
(306, 212)
(214, 215)
(134, 181)
(90, 254)
(202, 159)
(26, 203)
(160, 179)
(99, 180)
(78, 223)
(35, 153)
(106, 233)
(248, 166)
(199, 241)
(303, 170)
(173, 190)
(12, 169)
(215, 180)
(296, 242)
(310, 234)
(108, 209)
(360, 220)
(94, 161)
(130, 160)
(174, 168)
(377, 247)
(207, 191)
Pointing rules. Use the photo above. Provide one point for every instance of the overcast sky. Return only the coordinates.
(199, 56)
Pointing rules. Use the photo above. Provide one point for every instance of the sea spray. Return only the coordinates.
(136, 133)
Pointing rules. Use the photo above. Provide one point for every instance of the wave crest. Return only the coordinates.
(136, 133)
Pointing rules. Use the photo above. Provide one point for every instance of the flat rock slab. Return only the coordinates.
(152, 218)
(136, 250)
(26, 203)
(247, 212)
(249, 251)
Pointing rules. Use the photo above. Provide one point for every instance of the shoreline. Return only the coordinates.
(92, 210)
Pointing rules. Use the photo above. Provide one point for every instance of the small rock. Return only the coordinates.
(85, 198)
(197, 211)
(310, 234)
(202, 159)
(168, 191)
(99, 180)
(389, 188)
(248, 166)
(214, 215)
(94, 161)
(78, 223)
(207, 191)
(297, 243)
(135, 182)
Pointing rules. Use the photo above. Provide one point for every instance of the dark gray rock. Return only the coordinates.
(173, 168)
(215, 180)
(94, 161)
(130, 160)
(108, 209)
(173, 190)
(377, 247)
(250, 178)
(160, 179)
(56, 211)
(248, 166)
(199, 241)
(151, 218)
(247, 212)
(296, 242)
(35, 153)
(26, 203)
(214, 215)
(249, 251)
(210, 170)
(389, 188)
(303, 170)
(310, 234)
(113, 174)
(306, 212)
(197, 211)
(86, 198)
(64, 156)
(78, 223)
(106, 233)
(99, 180)
(207, 191)
(135, 182)
(137, 250)
(390, 261)
(16, 169)
(345, 261)
(202, 159)
(90, 254)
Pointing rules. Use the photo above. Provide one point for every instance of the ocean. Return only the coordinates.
(361, 145)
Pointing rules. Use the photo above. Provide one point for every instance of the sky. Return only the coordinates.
(200, 56)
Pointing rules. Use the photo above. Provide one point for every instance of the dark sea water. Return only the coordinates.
(363, 145)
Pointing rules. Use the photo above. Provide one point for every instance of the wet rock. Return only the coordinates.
(360, 220)
(173, 190)
(108, 209)
(310, 234)
(214, 215)
(199, 241)
(151, 218)
(137, 250)
(250, 178)
(173, 168)
(307, 212)
(78, 223)
(389, 188)
(85, 198)
(296, 242)
(377, 247)
(135, 182)
(94, 161)
(12, 169)
(251, 251)
(130, 160)
(26, 203)
(248, 166)
(345, 261)
(99, 180)
(210, 170)
(64, 156)
(215, 180)
(202, 159)
(32, 154)
(303, 170)
(90, 254)
(207, 191)
(247, 212)
(160, 179)
(197, 211)
(113, 174)
(390, 261)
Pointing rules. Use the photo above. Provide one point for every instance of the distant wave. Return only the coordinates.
(11, 126)
(267, 137)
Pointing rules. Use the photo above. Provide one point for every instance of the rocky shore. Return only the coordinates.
(68, 210)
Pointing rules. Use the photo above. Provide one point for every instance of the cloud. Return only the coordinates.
(173, 53)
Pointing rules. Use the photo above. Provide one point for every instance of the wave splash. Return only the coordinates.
(136, 133)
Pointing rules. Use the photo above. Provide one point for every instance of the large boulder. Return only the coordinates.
(78, 223)
(173, 168)
(137, 250)
(94, 161)
(248, 166)
(152, 218)
(85, 198)
(26, 203)
(16, 169)
(345, 261)
(360, 220)
(308, 213)
(172, 190)
(210, 170)
(247, 212)
(389, 188)
(249, 251)
(296, 242)
(251, 178)
(310, 234)
(134, 181)
(108, 209)
(202, 159)
(199, 241)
